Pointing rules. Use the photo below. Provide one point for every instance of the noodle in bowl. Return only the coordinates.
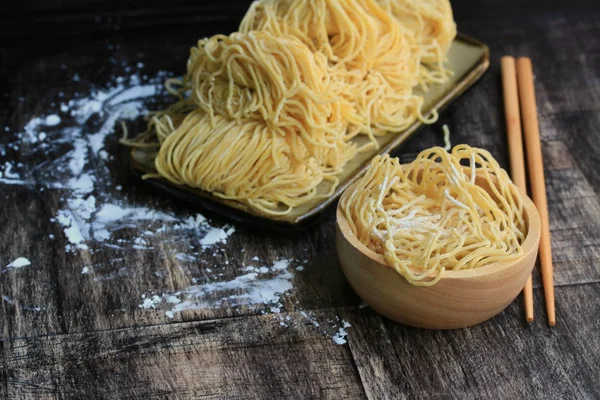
(454, 299)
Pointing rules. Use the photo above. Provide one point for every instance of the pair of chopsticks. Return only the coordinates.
(517, 82)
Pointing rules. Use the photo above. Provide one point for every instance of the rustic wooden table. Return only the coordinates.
(124, 298)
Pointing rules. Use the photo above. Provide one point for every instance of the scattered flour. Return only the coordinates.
(214, 235)
(94, 208)
(263, 286)
(310, 318)
(256, 287)
(151, 302)
(52, 120)
(8, 172)
(73, 230)
(18, 263)
(185, 257)
(340, 336)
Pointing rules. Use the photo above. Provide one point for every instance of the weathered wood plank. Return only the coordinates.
(251, 357)
(499, 359)
(31, 301)
(109, 296)
(3, 374)
(578, 130)
(503, 358)
(372, 350)
(52, 295)
(254, 356)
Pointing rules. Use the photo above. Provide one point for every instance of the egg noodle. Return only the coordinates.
(266, 114)
(436, 214)
(378, 51)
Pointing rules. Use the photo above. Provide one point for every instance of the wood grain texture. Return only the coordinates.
(231, 358)
(372, 349)
(503, 359)
(89, 336)
(254, 357)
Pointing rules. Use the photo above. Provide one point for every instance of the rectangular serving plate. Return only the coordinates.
(467, 58)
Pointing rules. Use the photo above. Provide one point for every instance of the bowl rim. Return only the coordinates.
(529, 245)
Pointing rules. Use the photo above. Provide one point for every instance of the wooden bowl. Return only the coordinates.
(459, 299)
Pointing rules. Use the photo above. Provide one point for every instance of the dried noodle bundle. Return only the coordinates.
(436, 215)
(267, 114)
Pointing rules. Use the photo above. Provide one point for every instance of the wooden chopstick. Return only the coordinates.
(515, 150)
(536, 176)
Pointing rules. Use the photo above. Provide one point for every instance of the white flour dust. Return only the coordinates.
(259, 287)
(93, 209)
(255, 286)
(340, 336)
(79, 141)
(18, 263)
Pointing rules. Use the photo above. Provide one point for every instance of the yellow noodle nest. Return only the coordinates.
(353, 34)
(268, 113)
(430, 20)
(215, 154)
(277, 81)
(261, 76)
(436, 215)
(375, 61)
